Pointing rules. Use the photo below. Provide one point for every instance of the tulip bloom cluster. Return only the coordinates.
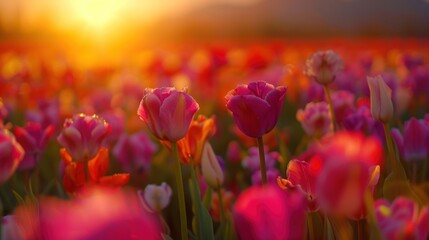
(343, 155)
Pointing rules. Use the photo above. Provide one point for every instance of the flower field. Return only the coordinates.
(262, 139)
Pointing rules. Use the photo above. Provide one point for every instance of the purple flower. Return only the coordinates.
(167, 112)
(33, 138)
(272, 175)
(415, 140)
(256, 107)
(402, 219)
(267, 212)
(252, 161)
(343, 102)
(134, 151)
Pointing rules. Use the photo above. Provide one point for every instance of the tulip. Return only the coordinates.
(323, 66)
(267, 212)
(301, 175)
(348, 168)
(381, 99)
(83, 136)
(96, 213)
(256, 107)
(233, 153)
(74, 173)
(11, 154)
(212, 172)
(33, 138)
(134, 151)
(167, 112)
(416, 137)
(402, 219)
(216, 206)
(315, 119)
(191, 146)
(156, 197)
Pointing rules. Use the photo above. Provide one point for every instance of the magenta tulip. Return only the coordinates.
(83, 136)
(402, 219)
(256, 107)
(11, 154)
(33, 138)
(267, 212)
(167, 112)
(416, 137)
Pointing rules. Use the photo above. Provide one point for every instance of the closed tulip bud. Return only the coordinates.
(156, 197)
(212, 172)
(167, 112)
(381, 99)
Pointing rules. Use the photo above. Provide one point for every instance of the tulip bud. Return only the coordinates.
(156, 197)
(211, 169)
(11, 154)
(381, 99)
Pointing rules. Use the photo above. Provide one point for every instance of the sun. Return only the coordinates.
(94, 15)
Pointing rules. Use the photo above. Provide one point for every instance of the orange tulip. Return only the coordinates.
(193, 142)
(74, 177)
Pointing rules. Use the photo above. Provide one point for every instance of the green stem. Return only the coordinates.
(394, 164)
(424, 170)
(310, 226)
(331, 106)
(222, 208)
(359, 230)
(180, 192)
(262, 161)
(374, 231)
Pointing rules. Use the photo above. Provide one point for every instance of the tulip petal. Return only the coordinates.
(250, 113)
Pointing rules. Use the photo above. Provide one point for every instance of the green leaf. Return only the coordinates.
(202, 222)
(207, 198)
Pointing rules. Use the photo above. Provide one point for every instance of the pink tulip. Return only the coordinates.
(233, 153)
(96, 213)
(167, 112)
(381, 99)
(315, 118)
(134, 151)
(33, 138)
(11, 154)
(267, 212)
(348, 168)
(323, 66)
(156, 197)
(83, 135)
(402, 219)
(343, 102)
(256, 107)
